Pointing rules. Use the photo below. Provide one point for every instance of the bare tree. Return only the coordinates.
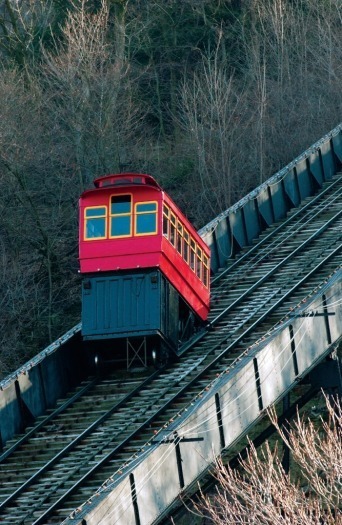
(246, 118)
(91, 91)
(37, 222)
(292, 62)
(214, 119)
(261, 493)
(24, 26)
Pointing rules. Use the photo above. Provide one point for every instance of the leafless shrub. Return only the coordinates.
(260, 492)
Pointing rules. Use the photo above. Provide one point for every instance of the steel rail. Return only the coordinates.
(269, 248)
(268, 312)
(181, 391)
(46, 420)
(188, 385)
(271, 272)
(278, 229)
(75, 441)
(198, 337)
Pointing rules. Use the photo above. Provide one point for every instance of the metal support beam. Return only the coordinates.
(134, 499)
(136, 350)
(293, 350)
(258, 385)
(219, 420)
(270, 430)
(326, 319)
(179, 461)
(41, 381)
(26, 416)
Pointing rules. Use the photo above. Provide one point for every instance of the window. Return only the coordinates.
(121, 216)
(199, 263)
(186, 247)
(146, 218)
(179, 238)
(192, 255)
(166, 215)
(173, 221)
(95, 219)
(205, 270)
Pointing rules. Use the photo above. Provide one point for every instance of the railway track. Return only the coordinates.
(54, 468)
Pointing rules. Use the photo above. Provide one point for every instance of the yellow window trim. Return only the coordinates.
(200, 259)
(166, 221)
(122, 236)
(139, 213)
(126, 214)
(136, 204)
(85, 219)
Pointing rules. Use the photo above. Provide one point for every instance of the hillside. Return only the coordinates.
(209, 97)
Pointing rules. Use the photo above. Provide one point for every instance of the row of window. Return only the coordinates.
(121, 222)
(185, 245)
(98, 224)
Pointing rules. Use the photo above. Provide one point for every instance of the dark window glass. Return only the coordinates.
(205, 276)
(173, 230)
(198, 268)
(165, 226)
(192, 255)
(146, 218)
(96, 212)
(199, 263)
(166, 221)
(146, 206)
(186, 246)
(121, 216)
(95, 228)
(179, 238)
(186, 252)
(146, 224)
(120, 226)
(95, 223)
(205, 270)
(121, 204)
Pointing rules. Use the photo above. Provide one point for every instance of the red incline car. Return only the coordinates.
(130, 230)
